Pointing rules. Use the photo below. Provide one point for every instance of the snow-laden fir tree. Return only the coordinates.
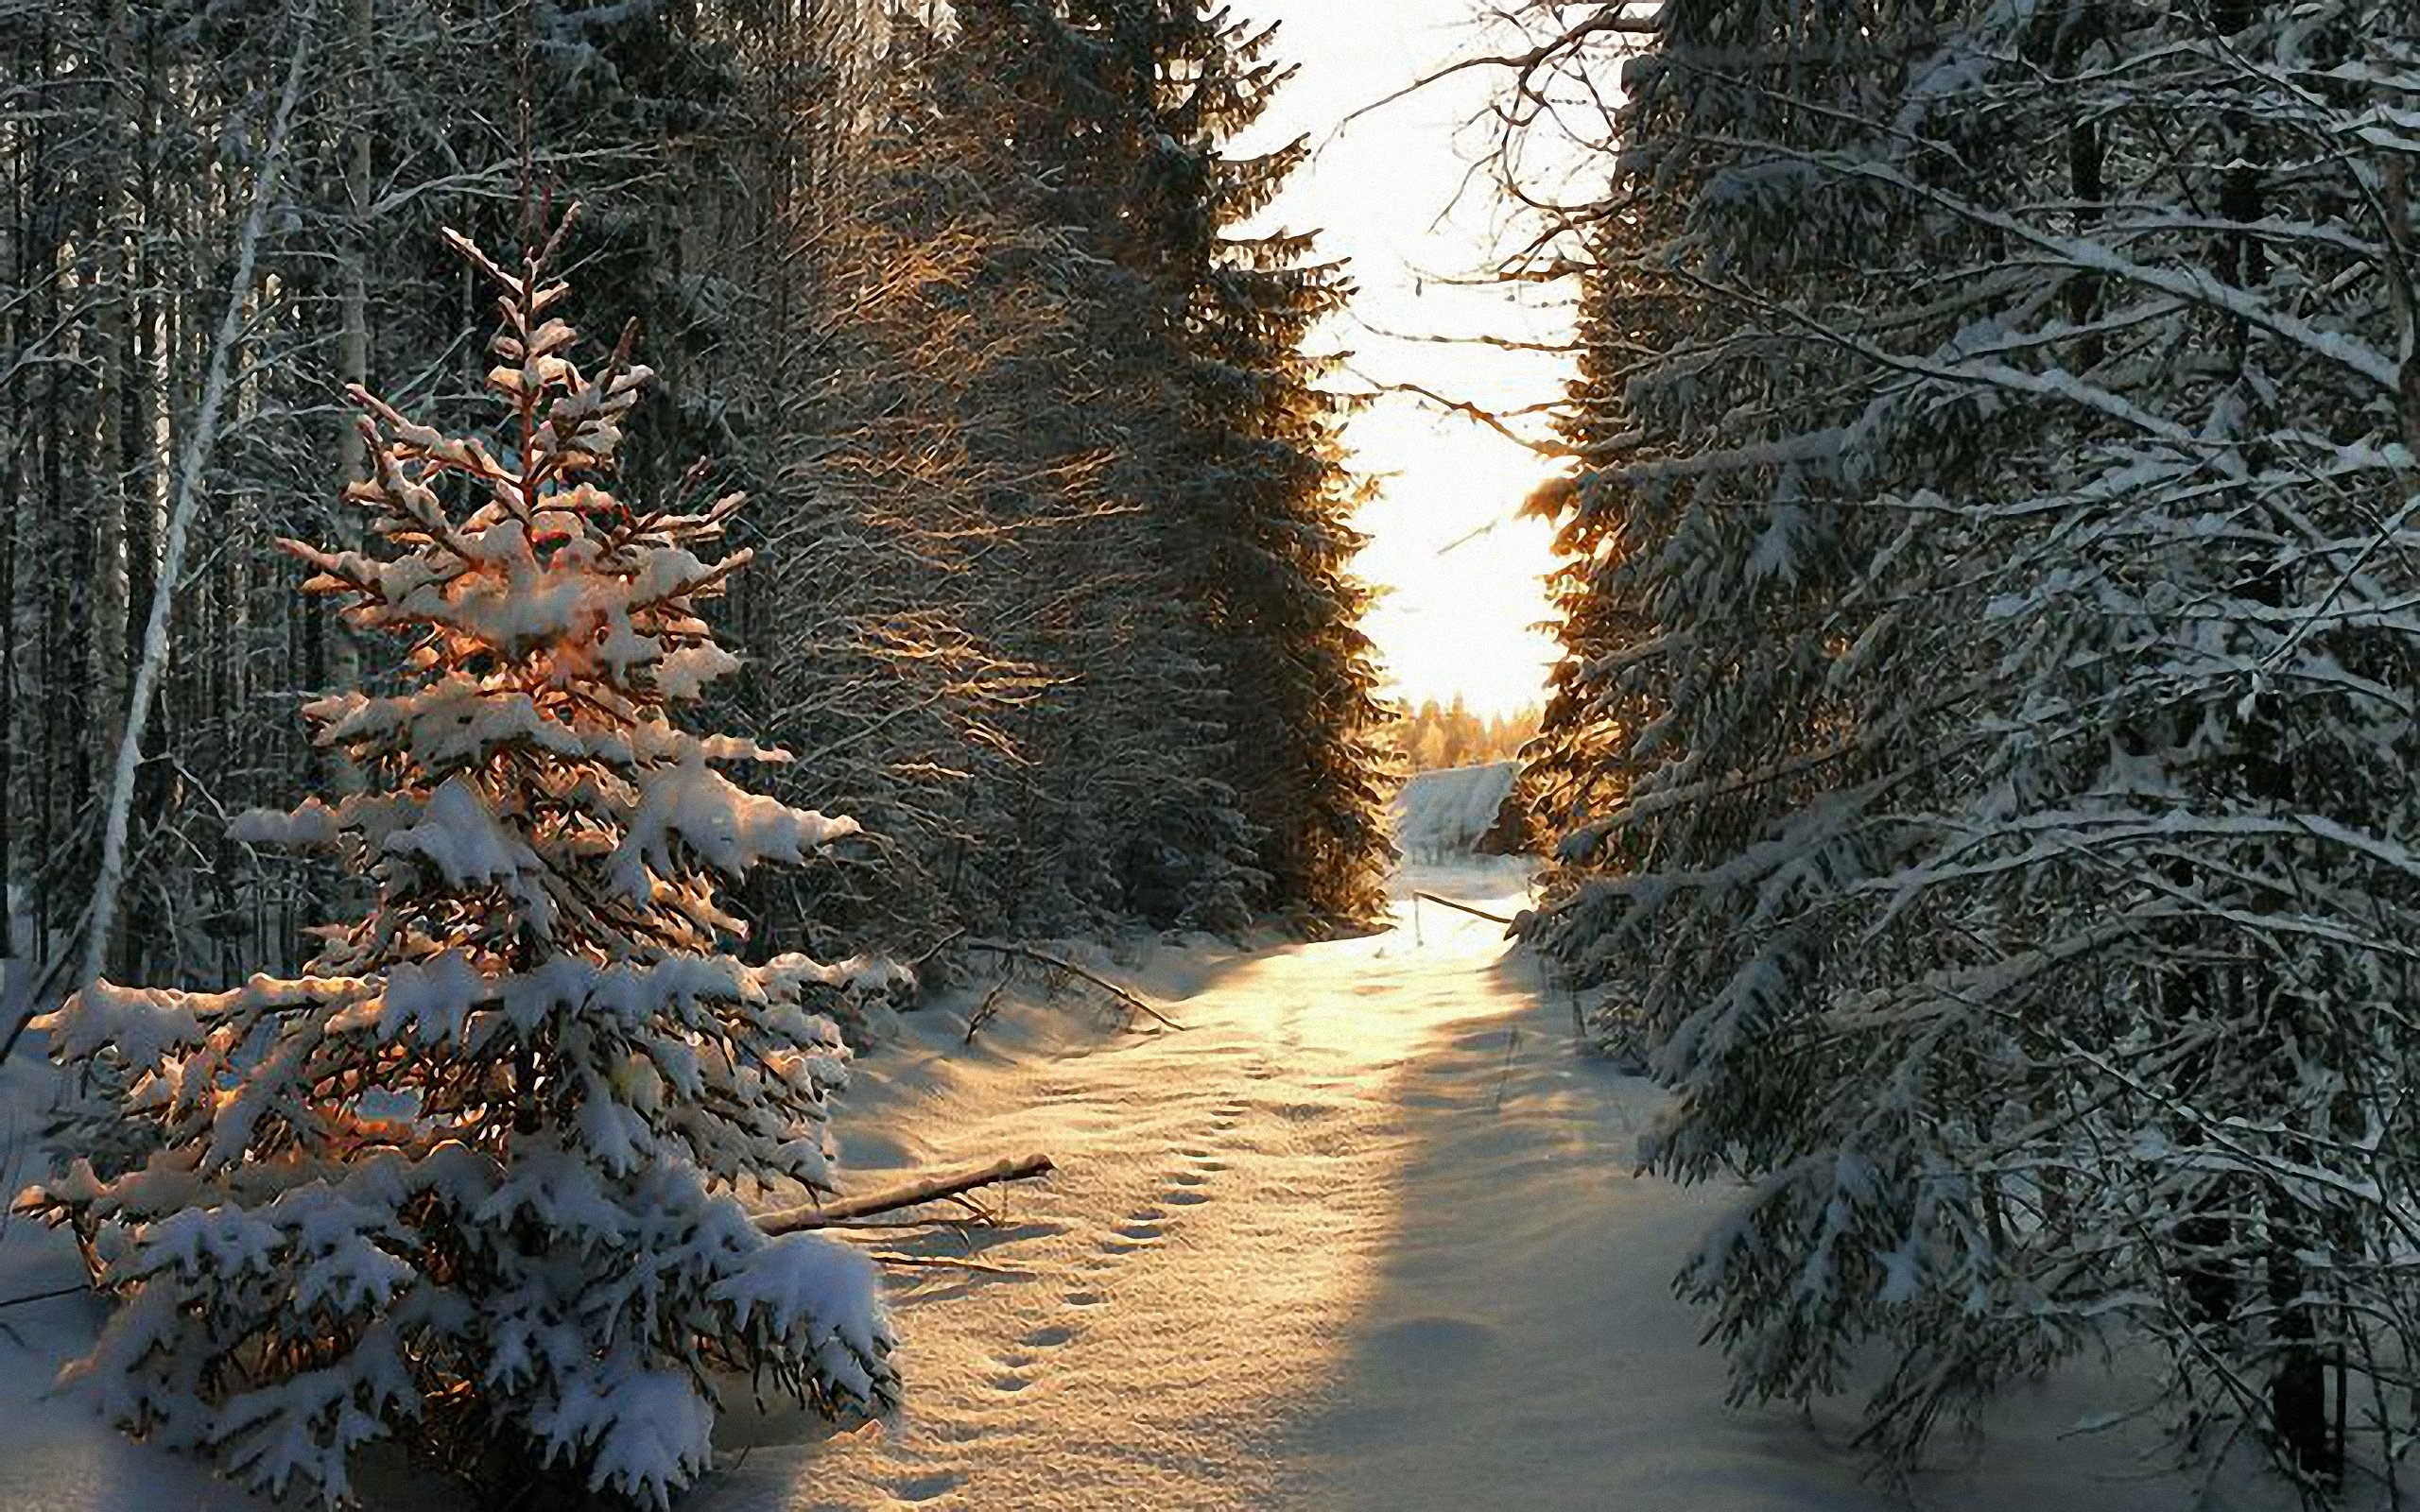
(1227, 443)
(2082, 890)
(947, 564)
(2144, 1079)
(1711, 751)
(475, 1181)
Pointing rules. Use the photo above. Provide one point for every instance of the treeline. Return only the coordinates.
(1981, 769)
(1052, 591)
(1432, 737)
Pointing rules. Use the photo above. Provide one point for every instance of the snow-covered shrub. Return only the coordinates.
(475, 1179)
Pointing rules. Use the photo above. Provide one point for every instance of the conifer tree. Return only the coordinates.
(1240, 470)
(475, 1179)
(2165, 890)
(1708, 761)
(2077, 867)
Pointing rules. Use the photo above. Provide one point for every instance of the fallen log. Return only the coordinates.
(1059, 963)
(915, 1194)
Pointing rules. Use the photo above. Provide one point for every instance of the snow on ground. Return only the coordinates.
(1364, 1235)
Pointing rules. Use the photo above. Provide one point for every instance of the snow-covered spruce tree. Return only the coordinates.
(1245, 483)
(943, 564)
(2170, 900)
(1722, 723)
(475, 1179)
(2112, 1022)
(1142, 718)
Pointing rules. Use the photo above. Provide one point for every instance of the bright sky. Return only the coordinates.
(1464, 579)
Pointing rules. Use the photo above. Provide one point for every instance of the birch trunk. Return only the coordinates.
(353, 340)
(194, 459)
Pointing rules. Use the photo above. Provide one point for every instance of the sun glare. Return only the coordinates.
(1464, 576)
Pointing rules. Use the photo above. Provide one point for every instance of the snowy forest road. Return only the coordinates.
(1366, 1234)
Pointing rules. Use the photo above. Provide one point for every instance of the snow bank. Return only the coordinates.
(1444, 814)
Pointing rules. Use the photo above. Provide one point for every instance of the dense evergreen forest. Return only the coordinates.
(1972, 857)
(1054, 594)
(1988, 691)
(1433, 737)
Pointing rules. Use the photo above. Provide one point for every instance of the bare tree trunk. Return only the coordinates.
(2403, 279)
(2298, 1382)
(113, 274)
(11, 692)
(352, 338)
(205, 435)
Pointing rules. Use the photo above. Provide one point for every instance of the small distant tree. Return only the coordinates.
(475, 1179)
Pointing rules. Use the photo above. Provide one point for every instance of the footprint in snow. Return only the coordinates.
(1435, 1338)
(928, 1488)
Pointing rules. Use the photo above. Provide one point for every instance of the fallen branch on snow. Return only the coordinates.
(915, 1194)
(948, 1262)
(982, 1016)
(1475, 913)
(1059, 963)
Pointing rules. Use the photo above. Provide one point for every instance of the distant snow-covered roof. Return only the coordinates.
(1446, 814)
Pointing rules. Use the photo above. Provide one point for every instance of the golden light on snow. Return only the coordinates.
(1464, 577)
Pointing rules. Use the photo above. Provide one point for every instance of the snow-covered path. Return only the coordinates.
(1190, 1283)
(1365, 1235)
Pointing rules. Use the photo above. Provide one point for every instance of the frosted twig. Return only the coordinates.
(1059, 963)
